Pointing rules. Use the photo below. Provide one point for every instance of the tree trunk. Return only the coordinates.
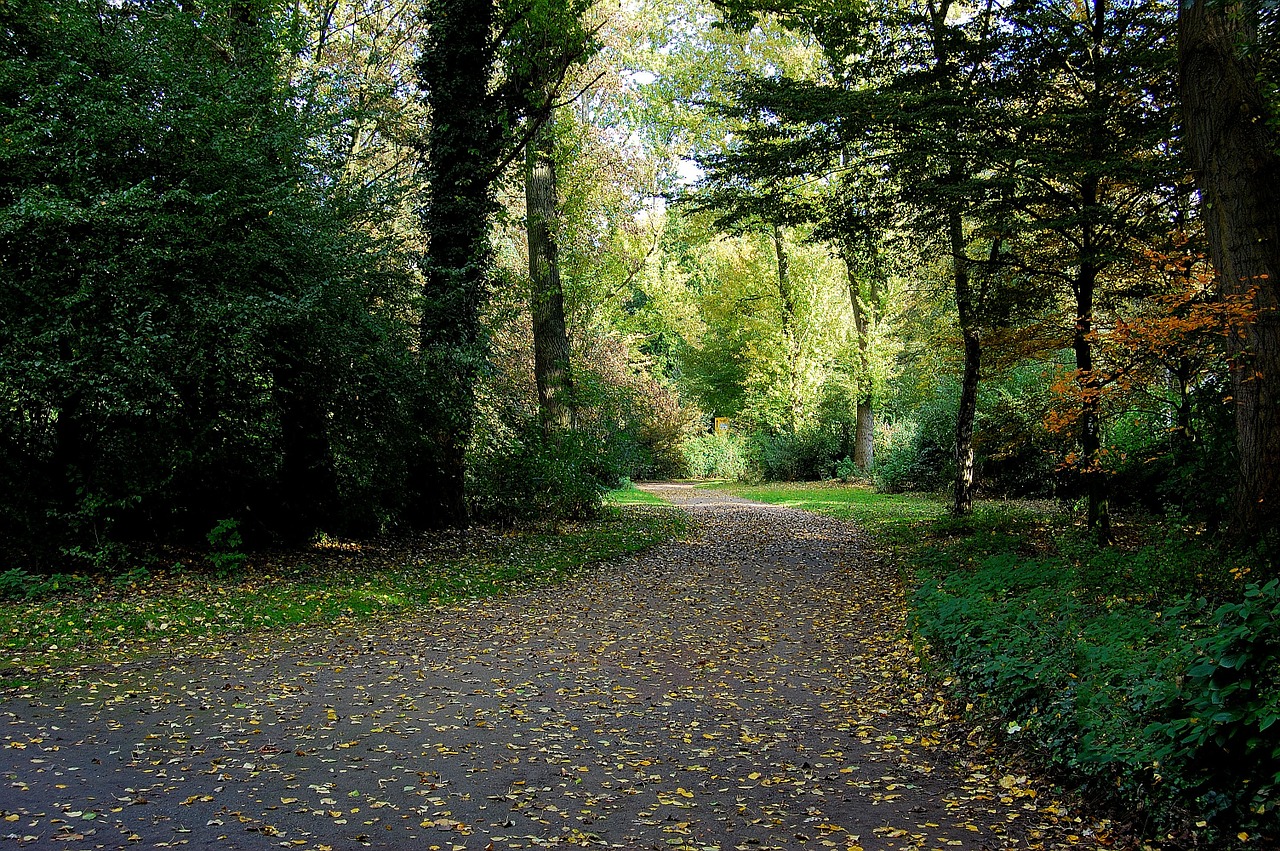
(864, 443)
(967, 413)
(1237, 164)
(459, 152)
(789, 330)
(864, 440)
(550, 336)
(1090, 435)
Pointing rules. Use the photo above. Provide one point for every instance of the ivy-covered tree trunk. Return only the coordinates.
(460, 150)
(1236, 157)
(550, 335)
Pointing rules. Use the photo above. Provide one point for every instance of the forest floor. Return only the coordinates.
(750, 686)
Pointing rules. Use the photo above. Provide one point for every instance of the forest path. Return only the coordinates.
(745, 688)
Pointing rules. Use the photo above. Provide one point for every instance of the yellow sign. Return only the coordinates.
(722, 425)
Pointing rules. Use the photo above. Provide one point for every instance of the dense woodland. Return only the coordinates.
(273, 271)
(354, 267)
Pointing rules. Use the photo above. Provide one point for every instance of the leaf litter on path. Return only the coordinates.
(747, 688)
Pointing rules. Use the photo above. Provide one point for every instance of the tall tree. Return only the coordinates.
(202, 329)
(1227, 61)
(488, 92)
(552, 368)
(906, 95)
(464, 145)
(1093, 171)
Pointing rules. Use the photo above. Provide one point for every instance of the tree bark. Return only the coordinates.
(461, 147)
(1090, 433)
(1236, 158)
(864, 440)
(966, 475)
(864, 436)
(789, 330)
(550, 334)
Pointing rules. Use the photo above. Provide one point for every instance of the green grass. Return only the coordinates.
(96, 621)
(632, 495)
(891, 514)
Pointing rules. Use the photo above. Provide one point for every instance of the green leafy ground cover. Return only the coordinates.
(72, 620)
(1144, 675)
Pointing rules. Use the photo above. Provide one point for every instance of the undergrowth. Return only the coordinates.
(1146, 676)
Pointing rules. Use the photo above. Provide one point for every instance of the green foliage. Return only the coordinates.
(1224, 717)
(1152, 467)
(808, 455)
(224, 549)
(195, 320)
(715, 456)
(1098, 663)
(917, 451)
(1015, 454)
(522, 478)
(18, 584)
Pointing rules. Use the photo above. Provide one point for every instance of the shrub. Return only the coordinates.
(1148, 700)
(714, 456)
(846, 470)
(224, 548)
(521, 478)
(919, 453)
(1220, 750)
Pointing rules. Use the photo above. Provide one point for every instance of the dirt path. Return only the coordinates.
(746, 688)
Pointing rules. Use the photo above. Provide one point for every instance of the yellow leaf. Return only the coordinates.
(755, 775)
(288, 800)
(684, 793)
(1242, 836)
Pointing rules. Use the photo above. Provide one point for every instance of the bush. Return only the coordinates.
(808, 455)
(847, 470)
(714, 456)
(1220, 751)
(197, 321)
(520, 478)
(1154, 702)
(1195, 478)
(918, 453)
(1017, 454)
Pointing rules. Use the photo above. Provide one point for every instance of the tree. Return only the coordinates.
(478, 127)
(1093, 173)
(1226, 56)
(196, 324)
(552, 368)
(906, 99)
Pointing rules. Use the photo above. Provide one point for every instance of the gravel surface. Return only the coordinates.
(749, 687)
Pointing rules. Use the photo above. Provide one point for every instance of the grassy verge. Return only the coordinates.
(629, 494)
(1145, 675)
(90, 622)
(893, 515)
